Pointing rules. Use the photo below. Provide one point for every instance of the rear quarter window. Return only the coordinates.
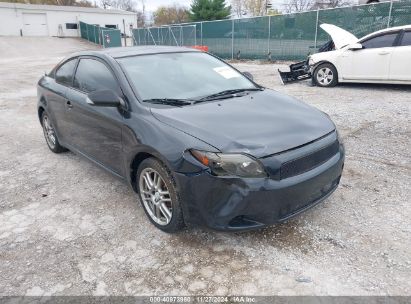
(64, 74)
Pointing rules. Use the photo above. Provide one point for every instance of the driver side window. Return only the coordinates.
(93, 75)
(385, 40)
(406, 39)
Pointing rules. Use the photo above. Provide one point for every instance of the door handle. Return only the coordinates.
(69, 104)
(383, 53)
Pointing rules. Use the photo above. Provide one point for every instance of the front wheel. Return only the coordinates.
(50, 134)
(158, 196)
(325, 75)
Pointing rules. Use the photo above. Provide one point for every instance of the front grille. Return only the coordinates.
(308, 162)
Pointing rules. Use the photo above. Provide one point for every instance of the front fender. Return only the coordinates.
(41, 99)
(146, 136)
(324, 57)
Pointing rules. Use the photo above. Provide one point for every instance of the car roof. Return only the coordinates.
(118, 52)
(396, 28)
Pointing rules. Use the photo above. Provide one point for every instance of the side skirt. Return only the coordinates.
(76, 151)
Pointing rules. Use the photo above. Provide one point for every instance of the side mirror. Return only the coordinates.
(104, 98)
(248, 75)
(355, 46)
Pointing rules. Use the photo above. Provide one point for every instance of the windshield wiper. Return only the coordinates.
(170, 101)
(226, 94)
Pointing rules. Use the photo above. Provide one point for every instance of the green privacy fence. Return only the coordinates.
(286, 37)
(106, 37)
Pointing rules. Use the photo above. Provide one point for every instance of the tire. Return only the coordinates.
(325, 75)
(50, 134)
(160, 197)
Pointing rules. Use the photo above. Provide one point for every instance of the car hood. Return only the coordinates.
(259, 124)
(339, 36)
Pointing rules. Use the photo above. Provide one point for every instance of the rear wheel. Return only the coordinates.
(50, 134)
(325, 75)
(158, 196)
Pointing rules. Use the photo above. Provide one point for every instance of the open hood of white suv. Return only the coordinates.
(339, 36)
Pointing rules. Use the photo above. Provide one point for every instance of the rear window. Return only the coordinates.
(406, 39)
(381, 41)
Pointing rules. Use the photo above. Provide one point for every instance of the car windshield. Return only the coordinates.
(187, 75)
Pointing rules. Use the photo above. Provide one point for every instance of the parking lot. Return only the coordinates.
(69, 228)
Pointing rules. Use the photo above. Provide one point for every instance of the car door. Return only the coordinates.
(400, 68)
(96, 131)
(372, 62)
(57, 97)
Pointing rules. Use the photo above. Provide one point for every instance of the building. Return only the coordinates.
(18, 19)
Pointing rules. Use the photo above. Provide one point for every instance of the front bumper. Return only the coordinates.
(298, 71)
(232, 203)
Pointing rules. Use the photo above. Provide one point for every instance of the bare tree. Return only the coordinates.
(292, 6)
(84, 3)
(339, 3)
(127, 5)
(143, 4)
(107, 3)
(141, 19)
(141, 14)
(238, 8)
(249, 7)
(256, 7)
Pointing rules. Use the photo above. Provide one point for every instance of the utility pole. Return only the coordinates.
(125, 34)
(144, 11)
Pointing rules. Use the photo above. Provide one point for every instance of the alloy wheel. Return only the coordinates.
(155, 196)
(49, 132)
(325, 76)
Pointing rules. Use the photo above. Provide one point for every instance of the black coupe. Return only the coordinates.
(198, 141)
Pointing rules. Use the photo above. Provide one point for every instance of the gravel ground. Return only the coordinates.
(69, 228)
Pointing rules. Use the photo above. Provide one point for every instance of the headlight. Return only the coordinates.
(310, 60)
(230, 164)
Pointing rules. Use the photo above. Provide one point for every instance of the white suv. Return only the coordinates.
(381, 57)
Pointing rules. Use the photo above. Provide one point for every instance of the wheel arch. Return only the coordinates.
(42, 104)
(137, 158)
(40, 112)
(135, 163)
(322, 62)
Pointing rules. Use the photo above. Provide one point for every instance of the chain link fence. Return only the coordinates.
(177, 35)
(106, 37)
(285, 37)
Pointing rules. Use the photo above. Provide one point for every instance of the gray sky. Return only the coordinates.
(152, 5)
